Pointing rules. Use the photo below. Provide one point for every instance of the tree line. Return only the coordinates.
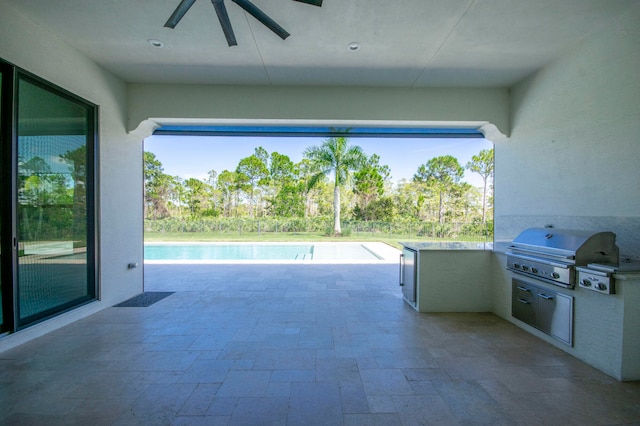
(335, 179)
(52, 203)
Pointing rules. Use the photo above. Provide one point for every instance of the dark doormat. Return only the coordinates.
(145, 299)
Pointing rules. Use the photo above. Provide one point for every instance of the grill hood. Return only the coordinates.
(579, 246)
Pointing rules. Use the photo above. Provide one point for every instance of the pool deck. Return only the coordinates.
(293, 345)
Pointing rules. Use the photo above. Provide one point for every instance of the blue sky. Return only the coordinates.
(194, 156)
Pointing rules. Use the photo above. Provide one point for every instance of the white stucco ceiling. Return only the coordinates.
(404, 43)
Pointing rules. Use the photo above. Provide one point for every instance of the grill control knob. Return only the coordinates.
(555, 275)
(601, 287)
(516, 265)
(586, 283)
(534, 270)
(525, 268)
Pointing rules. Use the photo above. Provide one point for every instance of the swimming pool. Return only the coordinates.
(171, 252)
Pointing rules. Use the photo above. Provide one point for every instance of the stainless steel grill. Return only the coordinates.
(552, 255)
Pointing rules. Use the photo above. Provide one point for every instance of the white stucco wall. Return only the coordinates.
(34, 49)
(438, 107)
(572, 156)
(572, 161)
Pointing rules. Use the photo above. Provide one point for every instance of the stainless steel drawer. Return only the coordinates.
(544, 309)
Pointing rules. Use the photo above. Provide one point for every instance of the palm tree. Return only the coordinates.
(335, 156)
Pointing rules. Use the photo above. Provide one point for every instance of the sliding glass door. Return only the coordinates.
(51, 249)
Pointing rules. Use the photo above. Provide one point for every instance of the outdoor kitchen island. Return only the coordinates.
(447, 276)
(605, 332)
(472, 277)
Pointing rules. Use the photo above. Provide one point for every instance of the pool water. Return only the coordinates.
(257, 252)
(227, 252)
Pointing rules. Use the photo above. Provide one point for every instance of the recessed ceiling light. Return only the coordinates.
(155, 43)
(353, 46)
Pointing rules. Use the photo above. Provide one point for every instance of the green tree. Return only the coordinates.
(281, 167)
(77, 163)
(156, 187)
(152, 167)
(381, 209)
(408, 199)
(251, 172)
(175, 194)
(335, 156)
(45, 200)
(306, 173)
(464, 201)
(288, 199)
(195, 196)
(214, 194)
(262, 154)
(369, 184)
(442, 174)
(483, 165)
(228, 190)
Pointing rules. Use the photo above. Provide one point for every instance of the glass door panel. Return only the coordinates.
(55, 247)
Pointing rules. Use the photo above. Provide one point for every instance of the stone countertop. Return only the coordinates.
(501, 246)
(628, 271)
(627, 276)
(446, 245)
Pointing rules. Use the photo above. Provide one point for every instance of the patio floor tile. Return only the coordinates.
(298, 345)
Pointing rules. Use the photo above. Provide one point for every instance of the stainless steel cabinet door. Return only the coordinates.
(408, 277)
(555, 315)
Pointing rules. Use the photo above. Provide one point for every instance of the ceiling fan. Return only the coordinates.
(223, 17)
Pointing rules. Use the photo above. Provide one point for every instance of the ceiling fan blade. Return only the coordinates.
(225, 23)
(313, 2)
(177, 14)
(262, 17)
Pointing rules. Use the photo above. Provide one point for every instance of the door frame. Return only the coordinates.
(9, 201)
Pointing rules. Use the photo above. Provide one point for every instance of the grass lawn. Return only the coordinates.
(392, 240)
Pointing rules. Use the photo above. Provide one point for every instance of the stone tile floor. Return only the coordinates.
(298, 345)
